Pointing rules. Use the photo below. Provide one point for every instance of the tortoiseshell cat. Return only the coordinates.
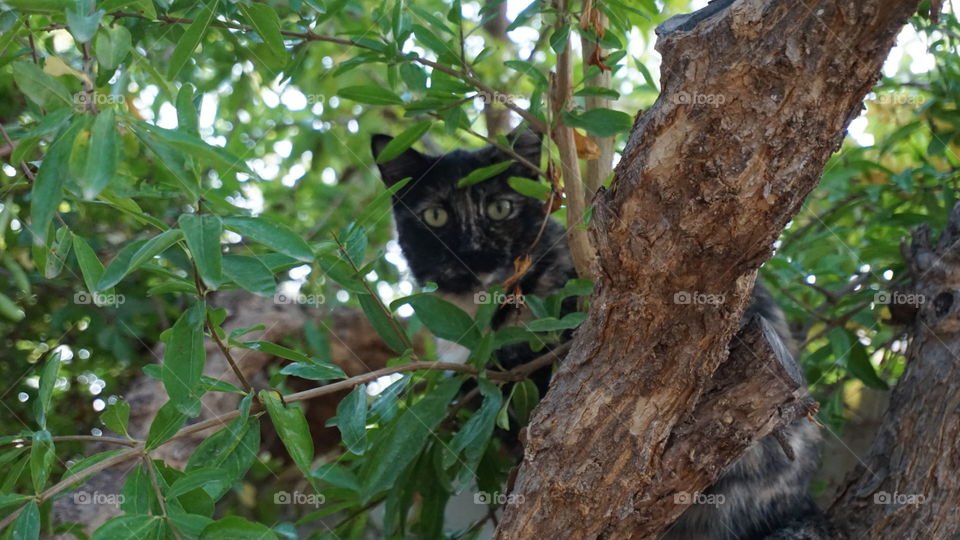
(466, 240)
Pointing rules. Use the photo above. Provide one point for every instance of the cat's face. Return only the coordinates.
(463, 239)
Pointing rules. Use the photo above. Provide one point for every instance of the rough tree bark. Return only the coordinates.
(756, 96)
(908, 486)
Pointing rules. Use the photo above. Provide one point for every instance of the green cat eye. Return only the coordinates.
(499, 209)
(435, 216)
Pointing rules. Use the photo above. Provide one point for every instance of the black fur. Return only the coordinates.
(764, 493)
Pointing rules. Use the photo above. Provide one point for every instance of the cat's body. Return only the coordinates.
(466, 240)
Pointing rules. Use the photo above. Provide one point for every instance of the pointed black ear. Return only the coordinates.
(527, 143)
(410, 163)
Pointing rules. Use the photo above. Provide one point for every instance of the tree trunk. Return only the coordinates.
(908, 486)
(756, 96)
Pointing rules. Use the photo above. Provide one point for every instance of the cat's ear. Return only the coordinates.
(527, 143)
(410, 163)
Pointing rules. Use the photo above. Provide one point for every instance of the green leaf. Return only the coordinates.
(273, 235)
(352, 420)
(314, 371)
(48, 379)
(135, 527)
(529, 188)
(188, 525)
(600, 122)
(41, 88)
(379, 207)
(471, 441)
(265, 21)
(292, 428)
(210, 479)
(90, 265)
(165, 424)
(83, 24)
(529, 70)
(858, 364)
(102, 155)
(483, 173)
(444, 319)
(190, 39)
(403, 141)
(559, 38)
(203, 238)
(233, 450)
(42, 454)
(27, 525)
(524, 398)
(597, 91)
(373, 95)
(340, 271)
(48, 187)
(274, 349)
(402, 440)
(197, 148)
(118, 266)
(153, 247)
(187, 119)
(444, 50)
(250, 273)
(137, 493)
(112, 45)
(183, 360)
(382, 322)
(116, 417)
(58, 253)
(169, 160)
(10, 309)
(552, 324)
(237, 528)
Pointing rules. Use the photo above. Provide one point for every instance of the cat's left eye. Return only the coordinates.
(499, 209)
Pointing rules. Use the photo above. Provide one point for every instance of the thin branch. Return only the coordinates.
(580, 249)
(597, 169)
(75, 438)
(391, 320)
(226, 353)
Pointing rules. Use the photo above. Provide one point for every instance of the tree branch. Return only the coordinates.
(756, 97)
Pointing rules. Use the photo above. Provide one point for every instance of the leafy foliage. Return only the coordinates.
(158, 152)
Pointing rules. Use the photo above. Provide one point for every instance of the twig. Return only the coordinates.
(580, 248)
(597, 169)
(75, 438)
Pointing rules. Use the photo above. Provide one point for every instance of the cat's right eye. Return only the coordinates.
(435, 216)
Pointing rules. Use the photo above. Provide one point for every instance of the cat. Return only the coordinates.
(466, 240)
